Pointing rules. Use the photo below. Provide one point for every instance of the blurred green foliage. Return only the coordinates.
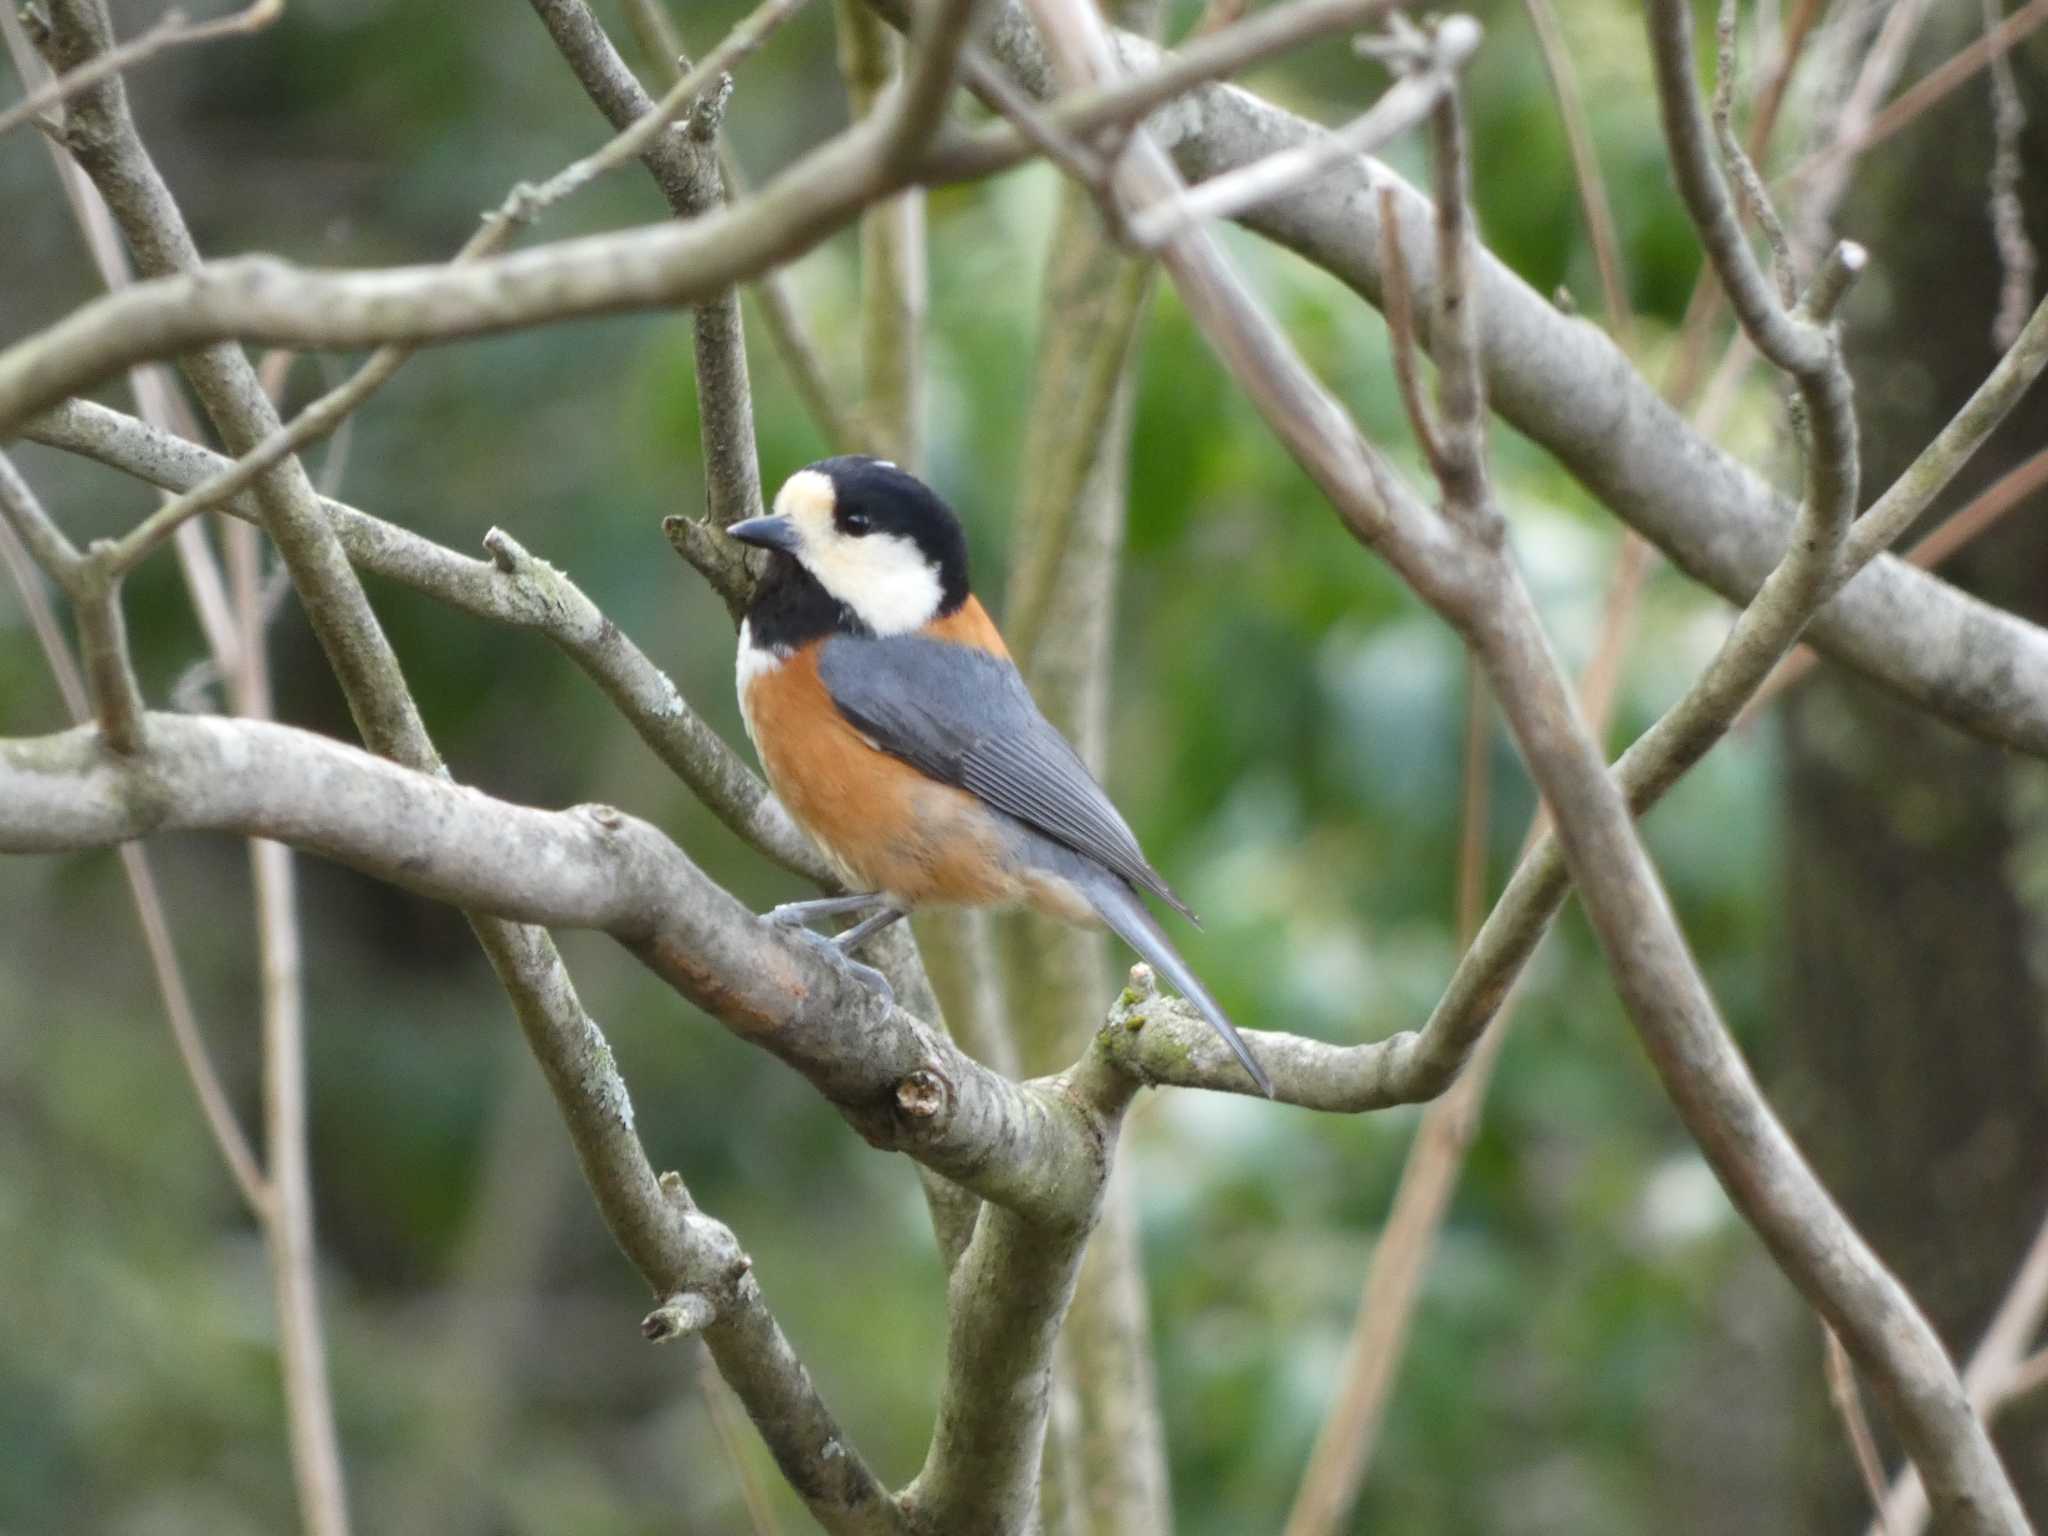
(1286, 742)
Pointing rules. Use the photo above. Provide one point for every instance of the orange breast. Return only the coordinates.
(892, 828)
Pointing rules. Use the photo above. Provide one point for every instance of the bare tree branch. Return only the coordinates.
(591, 867)
(2000, 1371)
(288, 1214)
(1924, 93)
(572, 1051)
(171, 30)
(1066, 548)
(1008, 1295)
(892, 260)
(155, 394)
(1848, 1400)
(512, 588)
(229, 1139)
(1660, 986)
(686, 168)
(1593, 200)
(1563, 384)
(1975, 666)
(1226, 196)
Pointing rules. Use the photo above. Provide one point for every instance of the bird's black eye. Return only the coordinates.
(853, 522)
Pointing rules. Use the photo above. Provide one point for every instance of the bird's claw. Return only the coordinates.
(866, 975)
(791, 914)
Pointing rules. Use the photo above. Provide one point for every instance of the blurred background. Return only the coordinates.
(1600, 1347)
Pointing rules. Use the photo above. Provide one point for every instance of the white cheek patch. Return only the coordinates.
(885, 579)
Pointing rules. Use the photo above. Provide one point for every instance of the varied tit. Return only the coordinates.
(899, 734)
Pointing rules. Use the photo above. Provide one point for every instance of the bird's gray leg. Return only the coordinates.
(844, 944)
(797, 914)
(867, 928)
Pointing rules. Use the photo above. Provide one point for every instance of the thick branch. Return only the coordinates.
(512, 588)
(1560, 381)
(567, 1042)
(1659, 984)
(1563, 383)
(591, 867)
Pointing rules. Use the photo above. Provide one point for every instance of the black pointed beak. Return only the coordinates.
(767, 532)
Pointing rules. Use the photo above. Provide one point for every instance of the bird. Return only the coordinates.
(898, 733)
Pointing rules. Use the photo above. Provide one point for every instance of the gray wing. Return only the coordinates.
(965, 718)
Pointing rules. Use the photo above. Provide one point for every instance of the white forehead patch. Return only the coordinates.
(806, 499)
(884, 578)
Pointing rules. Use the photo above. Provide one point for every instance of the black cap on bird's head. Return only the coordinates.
(878, 541)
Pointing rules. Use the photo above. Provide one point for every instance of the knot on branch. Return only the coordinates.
(924, 1098)
(731, 568)
(706, 1264)
(684, 1313)
(607, 818)
(707, 113)
(1128, 1011)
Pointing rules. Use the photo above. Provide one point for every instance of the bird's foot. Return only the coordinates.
(866, 975)
(801, 914)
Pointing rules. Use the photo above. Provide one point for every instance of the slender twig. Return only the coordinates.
(1115, 104)
(520, 207)
(718, 1408)
(939, 31)
(1982, 512)
(1948, 538)
(1592, 185)
(288, 1229)
(171, 30)
(1848, 1400)
(1911, 494)
(95, 592)
(1065, 565)
(155, 395)
(1460, 381)
(780, 316)
(512, 587)
(1661, 987)
(1799, 350)
(1736, 163)
(1821, 193)
(2008, 218)
(2030, 1377)
(2000, 1371)
(1411, 99)
(43, 539)
(1704, 307)
(1931, 88)
(103, 643)
(1078, 159)
(893, 299)
(1399, 301)
(228, 1137)
(651, 1222)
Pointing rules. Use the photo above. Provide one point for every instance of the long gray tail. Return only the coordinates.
(1132, 921)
